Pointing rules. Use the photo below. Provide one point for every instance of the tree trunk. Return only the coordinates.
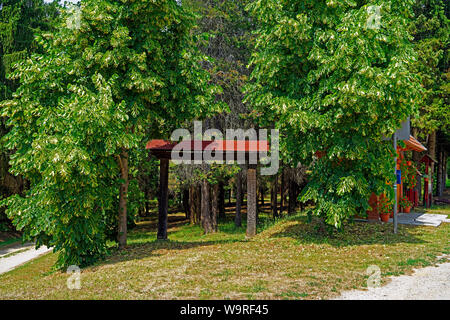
(198, 204)
(445, 171)
(282, 191)
(261, 193)
(273, 195)
(439, 173)
(251, 201)
(292, 196)
(432, 153)
(195, 204)
(221, 201)
(186, 194)
(215, 191)
(192, 204)
(123, 194)
(239, 196)
(206, 208)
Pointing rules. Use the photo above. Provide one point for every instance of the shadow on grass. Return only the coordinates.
(353, 234)
(142, 242)
(139, 251)
(184, 236)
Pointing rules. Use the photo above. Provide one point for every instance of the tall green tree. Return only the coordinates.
(19, 21)
(334, 77)
(114, 74)
(431, 30)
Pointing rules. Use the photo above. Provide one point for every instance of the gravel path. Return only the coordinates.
(429, 283)
(17, 255)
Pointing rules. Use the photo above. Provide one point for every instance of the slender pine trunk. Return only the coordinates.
(214, 206)
(274, 195)
(432, 153)
(239, 196)
(221, 201)
(123, 198)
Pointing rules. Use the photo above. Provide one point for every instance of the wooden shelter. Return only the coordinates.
(193, 150)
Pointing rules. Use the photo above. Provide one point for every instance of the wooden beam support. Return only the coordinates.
(251, 201)
(163, 198)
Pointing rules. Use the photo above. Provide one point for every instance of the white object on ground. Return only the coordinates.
(421, 219)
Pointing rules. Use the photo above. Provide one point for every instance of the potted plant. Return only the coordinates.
(405, 204)
(385, 209)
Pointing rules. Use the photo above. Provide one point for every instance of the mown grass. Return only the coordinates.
(288, 259)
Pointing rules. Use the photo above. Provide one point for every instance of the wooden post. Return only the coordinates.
(251, 201)
(163, 198)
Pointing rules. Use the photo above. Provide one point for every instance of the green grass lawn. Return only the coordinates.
(286, 260)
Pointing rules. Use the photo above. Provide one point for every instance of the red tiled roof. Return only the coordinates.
(218, 145)
(414, 144)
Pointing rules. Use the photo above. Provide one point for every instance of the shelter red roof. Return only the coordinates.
(413, 144)
(163, 149)
(218, 145)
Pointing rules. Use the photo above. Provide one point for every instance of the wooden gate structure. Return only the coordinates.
(193, 150)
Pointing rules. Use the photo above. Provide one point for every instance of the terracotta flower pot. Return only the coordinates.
(384, 217)
(407, 210)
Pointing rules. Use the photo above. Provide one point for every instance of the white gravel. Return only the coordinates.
(429, 283)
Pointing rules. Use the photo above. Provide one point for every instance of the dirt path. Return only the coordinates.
(18, 254)
(430, 283)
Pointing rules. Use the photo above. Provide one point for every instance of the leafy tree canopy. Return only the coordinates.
(334, 77)
(124, 72)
